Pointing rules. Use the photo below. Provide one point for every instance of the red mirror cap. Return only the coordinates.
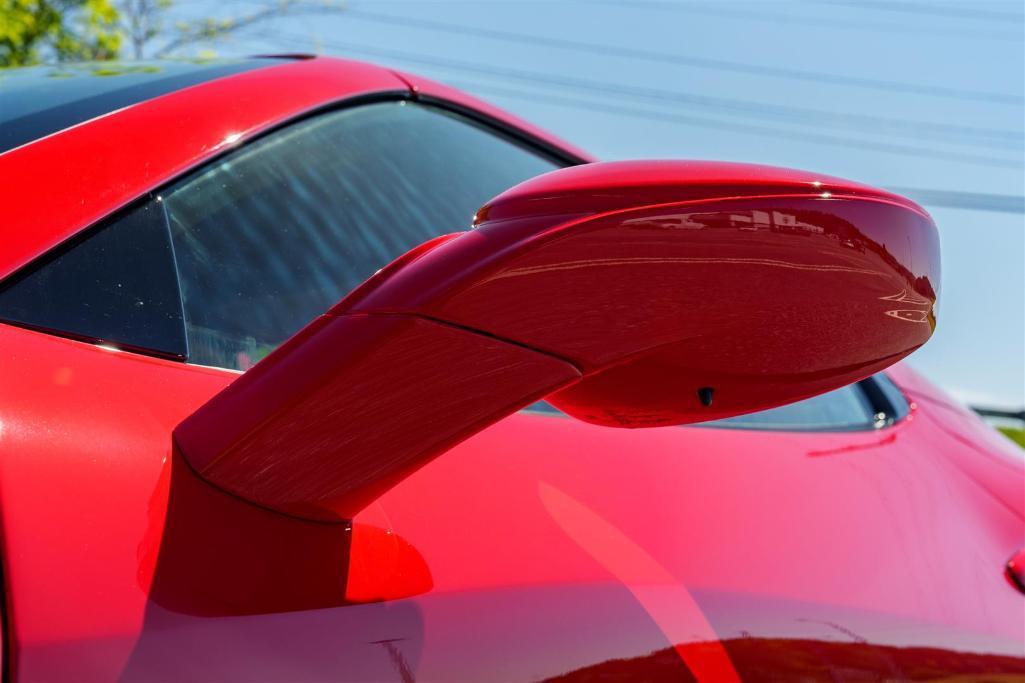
(764, 300)
(755, 302)
(593, 188)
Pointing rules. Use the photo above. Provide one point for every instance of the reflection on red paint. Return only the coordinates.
(384, 566)
(675, 611)
(785, 659)
(850, 448)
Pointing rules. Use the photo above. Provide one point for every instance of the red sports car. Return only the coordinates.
(311, 370)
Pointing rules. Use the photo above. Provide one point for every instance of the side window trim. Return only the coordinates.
(890, 403)
(518, 136)
(158, 201)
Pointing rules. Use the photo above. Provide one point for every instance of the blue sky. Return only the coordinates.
(909, 94)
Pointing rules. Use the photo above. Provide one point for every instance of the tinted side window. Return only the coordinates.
(279, 231)
(116, 285)
(842, 409)
(870, 404)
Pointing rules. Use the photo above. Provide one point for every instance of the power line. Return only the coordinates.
(761, 131)
(926, 196)
(804, 136)
(683, 60)
(948, 133)
(933, 8)
(977, 201)
(747, 14)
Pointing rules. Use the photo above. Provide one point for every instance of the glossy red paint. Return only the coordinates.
(383, 566)
(1002, 476)
(864, 556)
(612, 186)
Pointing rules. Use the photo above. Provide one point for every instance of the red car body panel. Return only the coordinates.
(541, 548)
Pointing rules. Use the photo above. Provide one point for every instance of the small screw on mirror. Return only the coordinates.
(705, 395)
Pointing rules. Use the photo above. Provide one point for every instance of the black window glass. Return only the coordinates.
(280, 230)
(117, 285)
(842, 409)
(845, 409)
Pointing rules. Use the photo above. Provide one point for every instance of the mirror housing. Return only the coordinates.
(631, 294)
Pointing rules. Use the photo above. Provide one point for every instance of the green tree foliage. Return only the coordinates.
(95, 30)
(1014, 434)
(207, 30)
(63, 30)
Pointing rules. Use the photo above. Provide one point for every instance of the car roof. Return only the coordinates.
(58, 185)
(42, 100)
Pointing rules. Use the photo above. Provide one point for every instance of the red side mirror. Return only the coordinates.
(631, 294)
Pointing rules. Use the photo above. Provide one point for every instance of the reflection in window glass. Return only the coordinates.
(840, 409)
(278, 232)
(847, 408)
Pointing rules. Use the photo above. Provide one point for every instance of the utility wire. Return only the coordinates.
(747, 14)
(948, 133)
(761, 131)
(975, 201)
(683, 60)
(930, 197)
(934, 8)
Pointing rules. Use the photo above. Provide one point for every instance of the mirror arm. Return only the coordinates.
(292, 433)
